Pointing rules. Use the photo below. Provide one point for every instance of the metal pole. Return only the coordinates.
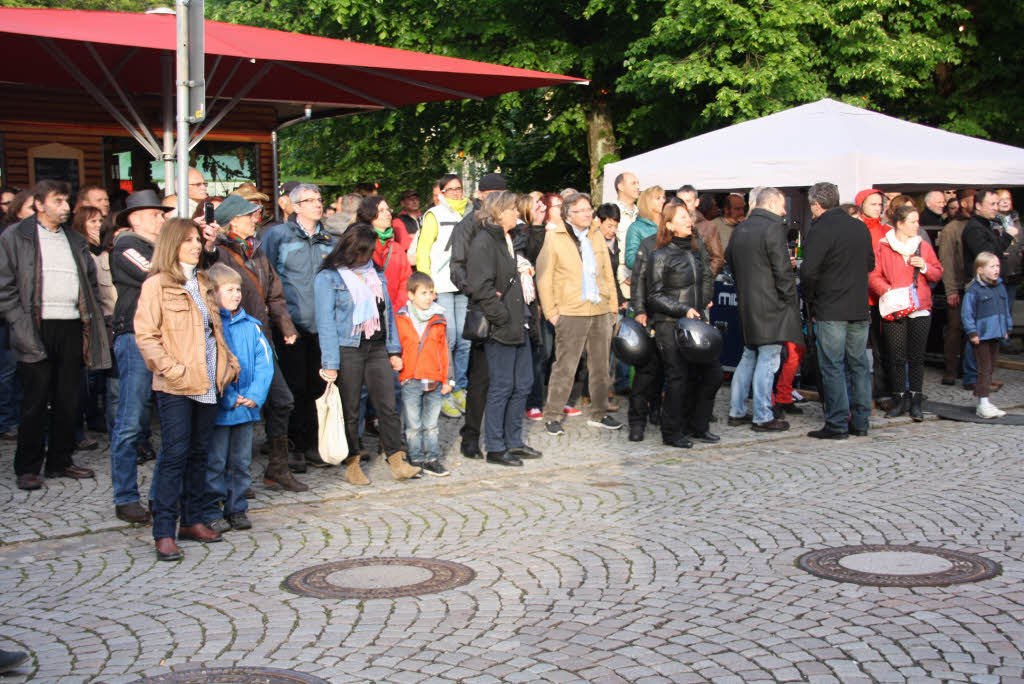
(181, 8)
(167, 68)
(274, 191)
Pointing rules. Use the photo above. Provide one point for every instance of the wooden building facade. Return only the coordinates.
(65, 134)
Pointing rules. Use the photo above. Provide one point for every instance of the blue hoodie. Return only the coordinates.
(246, 341)
(985, 310)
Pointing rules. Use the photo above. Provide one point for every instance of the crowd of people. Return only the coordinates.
(499, 308)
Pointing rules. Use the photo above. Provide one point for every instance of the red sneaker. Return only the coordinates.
(535, 414)
(571, 411)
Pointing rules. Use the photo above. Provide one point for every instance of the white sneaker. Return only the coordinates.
(989, 411)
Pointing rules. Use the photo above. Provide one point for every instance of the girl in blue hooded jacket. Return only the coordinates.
(238, 410)
(986, 316)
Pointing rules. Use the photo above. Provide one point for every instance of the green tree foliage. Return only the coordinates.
(537, 137)
(734, 60)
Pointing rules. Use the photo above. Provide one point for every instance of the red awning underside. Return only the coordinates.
(137, 41)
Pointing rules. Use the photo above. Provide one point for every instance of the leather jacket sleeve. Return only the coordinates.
(638, 279)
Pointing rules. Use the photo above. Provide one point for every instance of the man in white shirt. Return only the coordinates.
(627, 187)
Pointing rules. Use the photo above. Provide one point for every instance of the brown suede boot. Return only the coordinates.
(399, 468)
(354, 472)
(278, 473)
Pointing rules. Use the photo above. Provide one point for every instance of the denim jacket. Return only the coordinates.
(985, 310)
(334, 318)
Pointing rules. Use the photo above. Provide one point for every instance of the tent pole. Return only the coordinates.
(274, 191)
(226, 109)
(167, 73)
(181, 7)
(91, 88)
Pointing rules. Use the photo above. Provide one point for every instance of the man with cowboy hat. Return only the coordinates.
(130, 261)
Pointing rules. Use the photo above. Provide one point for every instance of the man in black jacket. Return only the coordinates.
(477, 378)
(834, 276)
(768, 309)
(983, 233)
(49, 297)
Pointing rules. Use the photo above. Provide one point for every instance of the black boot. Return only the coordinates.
(900, 405)
(915, 406)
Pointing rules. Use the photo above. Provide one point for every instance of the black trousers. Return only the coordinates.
(690, 396)
(368, 365)
(478, 382)
(300, 364)
(279, 406)
(905, 340)
(645, 394)
(52, 400)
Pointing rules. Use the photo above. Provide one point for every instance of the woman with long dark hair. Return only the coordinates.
(680, 284)
(178, 331)
(358, 337)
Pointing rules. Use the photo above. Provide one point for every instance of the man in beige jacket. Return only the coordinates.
(577, 294)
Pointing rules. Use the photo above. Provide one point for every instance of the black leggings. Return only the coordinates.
(905, 340)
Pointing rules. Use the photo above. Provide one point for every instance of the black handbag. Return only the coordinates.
(477, 328)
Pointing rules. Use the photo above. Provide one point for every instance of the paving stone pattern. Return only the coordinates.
(606, 561)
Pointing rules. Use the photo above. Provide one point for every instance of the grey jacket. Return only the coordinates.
(21, 292)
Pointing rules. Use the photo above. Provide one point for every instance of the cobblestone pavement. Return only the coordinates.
(606, 561)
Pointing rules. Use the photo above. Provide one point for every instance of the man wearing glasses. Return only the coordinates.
(576, 286)
(434, 257)
(295, 250)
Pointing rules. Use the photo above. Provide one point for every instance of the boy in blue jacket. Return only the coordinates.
(985, 312)
(230, 453)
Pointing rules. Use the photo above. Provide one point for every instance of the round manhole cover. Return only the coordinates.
(367, 578)
(234, 675)
(898, 566)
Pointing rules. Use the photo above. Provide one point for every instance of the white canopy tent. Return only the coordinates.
(825, 141)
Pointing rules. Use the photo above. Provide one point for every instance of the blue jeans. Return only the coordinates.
(842, 350)
(179, 480)
(421, 410)
(227, 471)
(757, 367)
(134, 407)
(10, 389)
(511, 373)
(455, 314)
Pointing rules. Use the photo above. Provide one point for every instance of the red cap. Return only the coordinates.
(864, 194)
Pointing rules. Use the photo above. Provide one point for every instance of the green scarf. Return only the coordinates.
(419, 314)
(384, 235)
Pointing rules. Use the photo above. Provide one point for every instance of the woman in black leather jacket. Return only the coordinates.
(679, 283)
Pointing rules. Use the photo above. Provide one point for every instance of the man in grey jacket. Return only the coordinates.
(48, 295)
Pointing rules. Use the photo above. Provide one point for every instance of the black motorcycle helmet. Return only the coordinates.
(631, 343)
(699, 342)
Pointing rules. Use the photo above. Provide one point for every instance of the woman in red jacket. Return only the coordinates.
(899, 257)
(388, 254)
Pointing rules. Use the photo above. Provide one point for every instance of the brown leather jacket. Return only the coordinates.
(170, 336)
(708, 232)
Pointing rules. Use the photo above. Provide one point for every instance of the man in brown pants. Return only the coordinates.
(577, 294)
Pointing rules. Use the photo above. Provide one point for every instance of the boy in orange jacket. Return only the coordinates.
(424, 374)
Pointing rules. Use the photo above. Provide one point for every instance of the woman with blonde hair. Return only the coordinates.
(649, 207)
(178, 332)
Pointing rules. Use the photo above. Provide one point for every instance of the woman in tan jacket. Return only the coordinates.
(178, 331)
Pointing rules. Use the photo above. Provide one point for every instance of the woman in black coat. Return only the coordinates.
(496, 289)
(680, 283)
